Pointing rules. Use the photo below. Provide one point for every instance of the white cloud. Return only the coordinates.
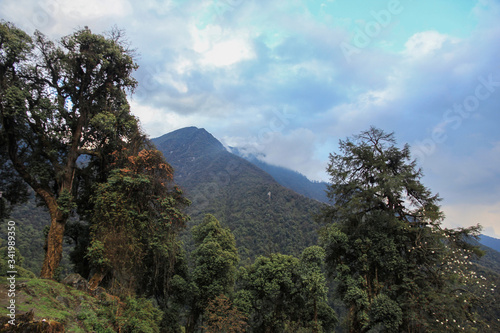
(92, 9)
(226, 65)
(57, 18)
(427, 43)
(470, 175)
(293, 150)
(158, 121)
(226, 53)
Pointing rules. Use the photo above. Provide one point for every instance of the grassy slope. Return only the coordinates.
(77, 310)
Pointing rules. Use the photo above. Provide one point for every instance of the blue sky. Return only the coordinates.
(288, 79)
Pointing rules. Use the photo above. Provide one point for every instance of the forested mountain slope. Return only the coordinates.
(264, 216)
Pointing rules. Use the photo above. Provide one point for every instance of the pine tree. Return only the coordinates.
(384, 242)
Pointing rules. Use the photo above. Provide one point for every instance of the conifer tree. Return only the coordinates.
(384, 242)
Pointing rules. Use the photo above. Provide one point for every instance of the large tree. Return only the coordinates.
(385, 245)
(59, 102)
(287, 294)
(215, 259)
(136, 216)
(15, 47)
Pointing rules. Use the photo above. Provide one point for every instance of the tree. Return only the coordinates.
(62, 104)
(134, 222)
(136, 217)
(15, 46)
(314, 290)
(215, 259)
(223, 317)
(384, 242)
(288, 294)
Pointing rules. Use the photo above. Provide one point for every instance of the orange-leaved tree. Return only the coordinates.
(137, 214)
(221, 316)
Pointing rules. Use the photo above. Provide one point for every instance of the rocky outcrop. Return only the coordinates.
(77, 282)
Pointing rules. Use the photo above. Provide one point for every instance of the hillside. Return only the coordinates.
(490, 242)
(264, 216)
(51, 306)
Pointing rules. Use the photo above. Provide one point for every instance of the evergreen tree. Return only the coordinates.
(384, 242)
(287, 294)
(215, 261)
(61, 103)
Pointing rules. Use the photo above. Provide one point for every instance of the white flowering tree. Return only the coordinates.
(396, 268)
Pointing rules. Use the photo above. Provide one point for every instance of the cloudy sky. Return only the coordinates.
(288, 79)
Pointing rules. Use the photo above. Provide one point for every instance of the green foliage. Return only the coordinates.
(96, 256)
(139, 316)
(386, 313)
(80, 312)
(136, 216)
(215, 260)
(15, 46)
(65, 202)
(53, 96)
(284, 291)
(384, 243)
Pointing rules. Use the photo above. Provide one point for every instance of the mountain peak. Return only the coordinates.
(188, 141)
(242, 196)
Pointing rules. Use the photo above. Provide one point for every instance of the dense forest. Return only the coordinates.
(237, 253)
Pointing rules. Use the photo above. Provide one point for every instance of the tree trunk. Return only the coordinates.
(191, 322)
(55, 237)
(96, 279)
(316, 328)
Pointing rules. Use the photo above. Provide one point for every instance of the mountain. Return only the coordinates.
(491, 258)
(491, 242)
(229, 187)
(289, 178)
(259, 202)
(263, 215)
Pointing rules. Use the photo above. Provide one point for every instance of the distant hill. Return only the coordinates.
(491, 259)
(264, 216)
(491, 242)
(291, 179)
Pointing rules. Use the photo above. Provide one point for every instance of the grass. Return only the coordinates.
(77, 310)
